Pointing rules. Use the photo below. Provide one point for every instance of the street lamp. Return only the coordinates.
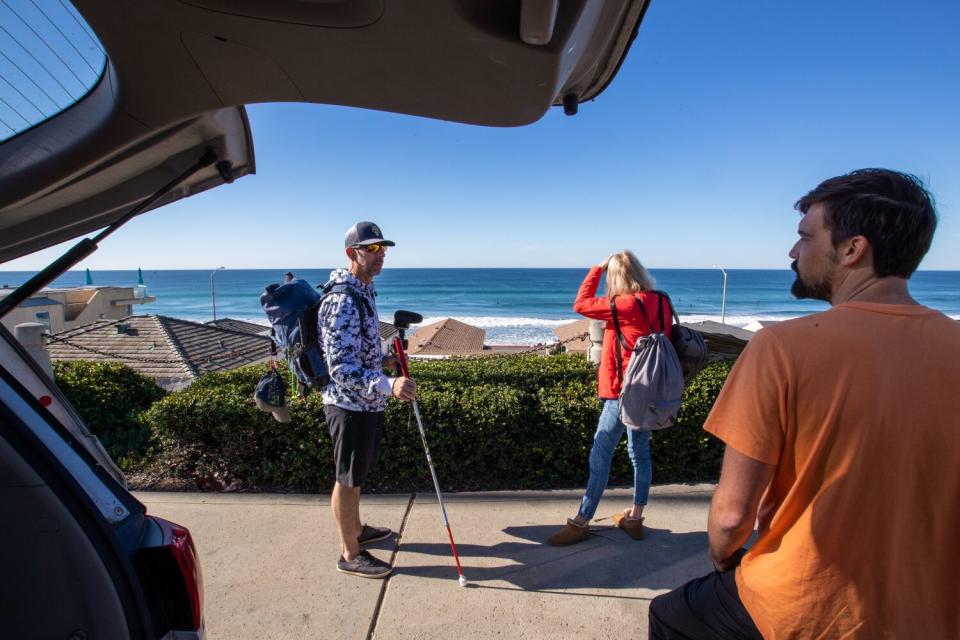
(723, 300)
(213, 291)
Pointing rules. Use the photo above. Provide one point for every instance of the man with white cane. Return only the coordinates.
(356, 398)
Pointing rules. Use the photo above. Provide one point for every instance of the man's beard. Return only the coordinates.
(800, 289)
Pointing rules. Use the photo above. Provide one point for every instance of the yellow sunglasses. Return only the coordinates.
(372, 248)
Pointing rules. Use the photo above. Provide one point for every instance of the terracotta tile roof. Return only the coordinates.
(567, 331)
(447, 337)
(160, 346)
(240, 325)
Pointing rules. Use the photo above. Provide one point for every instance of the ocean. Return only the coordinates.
(514, 306)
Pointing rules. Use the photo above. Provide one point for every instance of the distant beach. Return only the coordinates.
(513, 306)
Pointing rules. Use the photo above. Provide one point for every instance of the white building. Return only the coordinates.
(62, 309)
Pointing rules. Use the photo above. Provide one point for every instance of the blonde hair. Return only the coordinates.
(626, 276)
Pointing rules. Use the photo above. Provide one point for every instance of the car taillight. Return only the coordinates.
(185, 553)
(174, 566)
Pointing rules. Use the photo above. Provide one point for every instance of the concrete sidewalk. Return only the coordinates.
(268, 564)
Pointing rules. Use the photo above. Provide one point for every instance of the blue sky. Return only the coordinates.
(722, 115)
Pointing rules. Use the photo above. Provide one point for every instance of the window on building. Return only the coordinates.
(43, 317)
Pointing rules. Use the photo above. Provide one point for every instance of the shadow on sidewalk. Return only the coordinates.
(609, 559)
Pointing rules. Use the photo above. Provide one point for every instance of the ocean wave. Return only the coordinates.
(506, 330)
(486, 322)
(739, 321)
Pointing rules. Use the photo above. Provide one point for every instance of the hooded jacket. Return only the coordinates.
(353, 352)
(632, 324)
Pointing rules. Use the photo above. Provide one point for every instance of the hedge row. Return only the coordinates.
(521, 422)
(111, 398)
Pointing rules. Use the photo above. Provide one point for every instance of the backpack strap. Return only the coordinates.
(663, 322)
(621, 341)
(673, 310)
(363, 306)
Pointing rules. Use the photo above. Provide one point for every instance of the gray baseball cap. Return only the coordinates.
(364, 233)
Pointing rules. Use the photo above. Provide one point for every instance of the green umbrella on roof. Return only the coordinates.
(89, 277)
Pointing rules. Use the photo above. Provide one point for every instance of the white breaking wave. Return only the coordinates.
(734, 321)
(505, 330)
(486, 322)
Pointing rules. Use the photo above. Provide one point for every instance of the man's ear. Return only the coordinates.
(853, 250)
(350, 251)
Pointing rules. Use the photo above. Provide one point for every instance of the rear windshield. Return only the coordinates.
(49, 59)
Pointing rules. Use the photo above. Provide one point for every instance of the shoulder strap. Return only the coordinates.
(643, 314)
(673, 311)
(663, 322)
(363, 306)
(621, 343)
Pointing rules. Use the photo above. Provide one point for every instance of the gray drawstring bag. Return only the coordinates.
(652, 387)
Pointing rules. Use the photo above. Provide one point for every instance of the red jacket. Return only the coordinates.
(631, 324)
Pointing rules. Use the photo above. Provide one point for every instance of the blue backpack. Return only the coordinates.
(292, 309)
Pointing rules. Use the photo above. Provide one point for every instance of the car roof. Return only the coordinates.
(178, 73)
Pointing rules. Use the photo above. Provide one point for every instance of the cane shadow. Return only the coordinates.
(608, 560)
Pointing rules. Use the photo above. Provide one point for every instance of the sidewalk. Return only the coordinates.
(268, 564)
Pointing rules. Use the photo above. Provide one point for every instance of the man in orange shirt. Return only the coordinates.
(843, 439)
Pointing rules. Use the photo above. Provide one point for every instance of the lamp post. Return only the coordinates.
(723, 300)
(213, 291)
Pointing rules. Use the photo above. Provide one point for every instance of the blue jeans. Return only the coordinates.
(605, 442)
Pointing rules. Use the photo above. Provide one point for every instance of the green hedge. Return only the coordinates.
(518, 422)
(111, 398)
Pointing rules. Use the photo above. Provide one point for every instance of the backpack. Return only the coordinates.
(292, 309)
(689, 345)
(652, 387)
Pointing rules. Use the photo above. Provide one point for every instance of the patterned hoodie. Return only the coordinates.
(353, 353)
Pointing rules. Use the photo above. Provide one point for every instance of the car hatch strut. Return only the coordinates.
(87, 246)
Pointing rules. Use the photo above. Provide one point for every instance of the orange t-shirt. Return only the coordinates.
(859, 531)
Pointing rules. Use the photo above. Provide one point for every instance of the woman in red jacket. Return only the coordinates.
(632, 285)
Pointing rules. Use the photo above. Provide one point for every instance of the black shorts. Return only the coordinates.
(356, 439)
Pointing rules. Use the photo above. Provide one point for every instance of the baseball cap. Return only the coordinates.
(364, 233)
(281, 413)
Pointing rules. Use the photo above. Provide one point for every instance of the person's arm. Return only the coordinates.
(585, 303)
(733, 510)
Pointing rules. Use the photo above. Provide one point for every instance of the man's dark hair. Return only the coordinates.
(892, 210)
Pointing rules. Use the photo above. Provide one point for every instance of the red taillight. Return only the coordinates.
(185, 553)
(45, 401)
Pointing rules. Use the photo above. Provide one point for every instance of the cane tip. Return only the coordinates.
(462, 580)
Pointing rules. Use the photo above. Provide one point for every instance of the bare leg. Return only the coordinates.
(345, 504)
(357, 521)
(637, 512)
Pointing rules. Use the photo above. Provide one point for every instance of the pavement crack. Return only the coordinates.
(375, 618)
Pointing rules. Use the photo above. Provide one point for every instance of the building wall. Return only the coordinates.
(30, 314)
(80, 306)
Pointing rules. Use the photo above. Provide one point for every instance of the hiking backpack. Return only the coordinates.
(292, 309)
(652, 386)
